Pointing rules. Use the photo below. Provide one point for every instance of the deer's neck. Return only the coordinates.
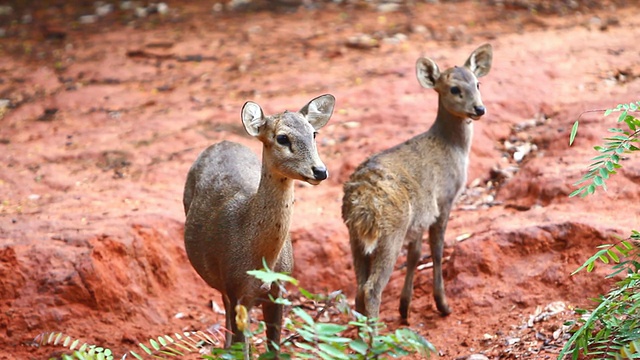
(455, 130)
(270, 211)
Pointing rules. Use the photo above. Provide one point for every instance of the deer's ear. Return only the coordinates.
(479, 62)
(252, 118)
(427, 72)
(318, 111)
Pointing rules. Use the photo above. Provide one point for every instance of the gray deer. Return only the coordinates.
(238, 211)
(399, 193)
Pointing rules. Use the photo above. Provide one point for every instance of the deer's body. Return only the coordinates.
(238, 209)
(395, 196)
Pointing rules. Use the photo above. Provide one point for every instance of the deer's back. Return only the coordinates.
(219, 184)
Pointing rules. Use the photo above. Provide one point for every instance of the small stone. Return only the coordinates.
(388, 7)
(6, 10)
(88, 19)
(126, 5)
(104, 9)
(27, 18)
(218, 7)
(477, 357)
(351, 124)
(163, 8)
(141, 12)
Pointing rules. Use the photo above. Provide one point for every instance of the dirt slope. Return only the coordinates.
(103, 120)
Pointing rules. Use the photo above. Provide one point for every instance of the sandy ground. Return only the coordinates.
(100, 122)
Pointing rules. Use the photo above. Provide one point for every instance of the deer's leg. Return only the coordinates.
(229, 314)
(236, 334)
(362, 268)
(272, 313)
(414, 248)
(383, 260)
(436, 242)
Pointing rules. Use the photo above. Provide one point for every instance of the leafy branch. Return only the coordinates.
(612, 329)
(620, 142)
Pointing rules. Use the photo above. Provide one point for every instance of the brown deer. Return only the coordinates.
(238, 211)
(403, 191)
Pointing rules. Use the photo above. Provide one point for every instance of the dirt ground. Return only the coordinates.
(101, 117)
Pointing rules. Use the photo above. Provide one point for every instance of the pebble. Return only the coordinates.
(103, 9)
(88, 19)
(477, 357)
(5, 10)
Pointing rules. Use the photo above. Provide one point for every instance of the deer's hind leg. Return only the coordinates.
(382, 262)
(436, 242)
(233, 334)
(272, 314)
(362, 268)
(414, 250)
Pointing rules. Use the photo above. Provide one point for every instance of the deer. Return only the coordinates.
(239, 209)
(396, 195)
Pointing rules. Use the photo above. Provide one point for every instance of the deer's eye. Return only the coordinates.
(478, 86)
(315, 134)
(283, 140)
(455, 90)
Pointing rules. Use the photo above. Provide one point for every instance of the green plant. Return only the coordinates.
(621, 141)
(163, 346)
(307, 336)
(612, 329)
(360, 338)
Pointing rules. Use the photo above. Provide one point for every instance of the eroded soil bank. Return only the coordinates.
(99, 123)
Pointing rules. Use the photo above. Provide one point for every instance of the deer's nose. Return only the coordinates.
(480, 110)
(320, 172)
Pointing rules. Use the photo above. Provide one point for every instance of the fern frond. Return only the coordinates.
(159, 348)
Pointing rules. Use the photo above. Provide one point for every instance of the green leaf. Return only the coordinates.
(154, 344)
(359, 346)
(576, 192)
(609, 166)
(145, 348)
(303, 315)
(305, 346)
(604, 259)
(136, 355)
(270, 277)
(329, 328)
(162, 341)
(333, 352)
(622, 115)
(306, 293)
(608, 112)
(613, 256)
(604, 173)
(598, 181)
(574, 132)
(620, 137)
